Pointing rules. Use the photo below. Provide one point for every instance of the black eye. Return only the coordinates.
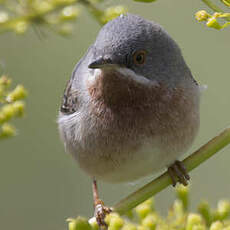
(139, 57)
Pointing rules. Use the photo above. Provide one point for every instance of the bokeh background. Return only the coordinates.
(40, 185)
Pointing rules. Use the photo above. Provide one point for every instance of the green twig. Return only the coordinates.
(94, 11)
(35, 16)
(212, 6)
(163, 181)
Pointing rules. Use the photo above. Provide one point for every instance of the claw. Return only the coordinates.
(178, 172)
(100, 213)
(100, 210)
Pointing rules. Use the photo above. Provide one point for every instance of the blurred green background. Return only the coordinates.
(40, 185)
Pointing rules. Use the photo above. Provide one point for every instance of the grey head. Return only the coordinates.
(135, 47)
(142, 46)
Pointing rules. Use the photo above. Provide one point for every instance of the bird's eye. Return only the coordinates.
(139, 57)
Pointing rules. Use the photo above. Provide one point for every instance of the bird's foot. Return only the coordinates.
(178, 173)
(100, 213)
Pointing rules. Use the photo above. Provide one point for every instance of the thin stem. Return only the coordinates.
(212, 6)
(34, 16)
(163, 181)
(215, 8)
(94, 11)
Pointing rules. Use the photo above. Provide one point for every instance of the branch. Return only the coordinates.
(212, 6)
(163, 181)
(217, 9)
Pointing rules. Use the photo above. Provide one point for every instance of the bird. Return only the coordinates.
(131, 106)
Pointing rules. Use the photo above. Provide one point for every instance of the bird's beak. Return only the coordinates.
(100, 63)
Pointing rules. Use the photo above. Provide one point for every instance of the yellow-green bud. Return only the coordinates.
(150, 221)
(193, 220)
(93, 223)
(144, 0)
(20, 27)
(205, 210)
(79, 223)
(19, 108)
(144, 209)
(2, 91)
(6, 113)
(10, 110)
(224, 207)
(182, 195)
(5, 81)
(227, 228)
(65, 29)
(66, 2)
(140, 227)
(69, 13)
(129, 226)
(216, 226)
(178, 208)
(114, 221)
(18, 93)
(223, 210)
(202, 15)
(3, 17)
(42, 6)
(213, 23)
(7, 130)
(113, 12)
(199, 227)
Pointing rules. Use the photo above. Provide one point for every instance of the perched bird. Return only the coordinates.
(131, 106)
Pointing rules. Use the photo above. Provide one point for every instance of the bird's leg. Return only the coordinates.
(178, 173)
(100, 210)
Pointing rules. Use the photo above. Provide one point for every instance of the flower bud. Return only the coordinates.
(205, 210)
(140, 227)
(20, 27)
(18, 93)
(216, 226)
(3, 17)
(150, 221)
(113, 12)
(114, 221)
(5, 81)
(42, 6)
(182, 195)
(6, 113)
(144, 209)
(19, 108)
(69, 13)
(93, 223)
(202, 15)
(79, 223)
(144, 0)
(129, 226)
(223, 210)
(213, 23)
(199, 227)
(178, 208)
(65, 29)
(7, 130)
(193, 220)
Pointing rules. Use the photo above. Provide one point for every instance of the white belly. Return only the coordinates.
(147, 160)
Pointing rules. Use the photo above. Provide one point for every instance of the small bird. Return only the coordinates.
(131, 106)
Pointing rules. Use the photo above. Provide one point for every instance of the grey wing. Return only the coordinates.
(69, 100)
